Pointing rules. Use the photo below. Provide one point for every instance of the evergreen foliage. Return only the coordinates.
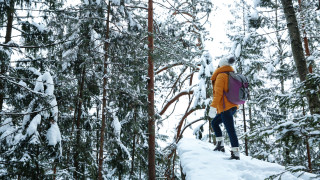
(51, 85)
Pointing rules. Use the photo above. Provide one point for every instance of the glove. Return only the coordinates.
(212, 112)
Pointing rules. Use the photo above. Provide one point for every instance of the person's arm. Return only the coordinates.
(212, 81)
(218, 89)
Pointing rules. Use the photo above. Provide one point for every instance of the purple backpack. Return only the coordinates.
(238, 88)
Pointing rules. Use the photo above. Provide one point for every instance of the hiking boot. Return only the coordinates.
(235, 154)
(219, 147)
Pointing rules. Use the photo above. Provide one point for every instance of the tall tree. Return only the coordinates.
(151, 114)
(298, 54)
(5, 55)
(104, 94)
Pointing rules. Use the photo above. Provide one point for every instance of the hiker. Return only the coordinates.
(224, 109)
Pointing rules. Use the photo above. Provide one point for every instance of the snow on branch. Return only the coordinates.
(24, 87)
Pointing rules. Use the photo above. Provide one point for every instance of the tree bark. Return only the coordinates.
(104, 101)
(308, 154)
(245, 130)
(151, 122)
(298, 54)
(133, 145)
(305, 38)
(78, 134)
(5, 60)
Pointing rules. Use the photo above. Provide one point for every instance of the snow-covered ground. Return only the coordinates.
(200, 162)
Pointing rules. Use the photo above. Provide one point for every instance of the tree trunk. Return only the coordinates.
(97, 135)
(245, 130)
(104, 101)
(80, 100)
(297, 51)
(54, 170)
(308, 154)
(305, 38)
(5, 60)
(151, 122)
(133, 145)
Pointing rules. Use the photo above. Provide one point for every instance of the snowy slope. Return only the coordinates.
(200, 162)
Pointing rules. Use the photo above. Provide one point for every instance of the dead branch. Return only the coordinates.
(174, 99)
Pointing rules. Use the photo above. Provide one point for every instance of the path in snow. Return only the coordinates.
(200, 162)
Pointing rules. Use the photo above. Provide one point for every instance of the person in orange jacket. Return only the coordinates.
(224, 108)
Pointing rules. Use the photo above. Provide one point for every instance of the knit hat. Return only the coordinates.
(226, 61)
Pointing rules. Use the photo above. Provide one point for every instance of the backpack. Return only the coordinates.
(238, 86)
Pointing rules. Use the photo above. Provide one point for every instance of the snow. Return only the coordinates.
(254, 15)
(270, 68)
(6, 129)
(39, 85)
(32, 128)
(200, 162)
(25, 158)
(26, 118)
(40, 27)
(256, 3)
(116, 127)
(53, 134)
(34, 70)
(311, 133)
(212, 112)
(21, 83)
(246, 38)
(48, 81)
(54, 109)
(238, 51)
(115, 2)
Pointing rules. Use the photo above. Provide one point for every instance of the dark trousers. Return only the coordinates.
(226, 118)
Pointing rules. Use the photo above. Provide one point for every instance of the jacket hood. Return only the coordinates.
(220, 70)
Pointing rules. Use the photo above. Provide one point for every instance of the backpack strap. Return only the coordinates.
(224, 105)
(224, 93)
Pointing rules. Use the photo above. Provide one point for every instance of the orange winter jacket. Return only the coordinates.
(220, 84)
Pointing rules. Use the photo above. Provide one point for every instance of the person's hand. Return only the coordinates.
(212, 112)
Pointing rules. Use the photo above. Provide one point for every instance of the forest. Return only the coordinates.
(89, 88)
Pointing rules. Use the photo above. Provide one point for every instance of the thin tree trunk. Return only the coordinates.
(308, 154)
(173, 162)
(298, 54)
(151, 122)
(97, 135)
(245, 130)
(308, 147)
(305, 39)
(77, 149)
(287, 151)
(54, 170)
(5, 60)
(104, 101)
(133, 145)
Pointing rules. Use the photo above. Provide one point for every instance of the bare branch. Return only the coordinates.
(174, 99)
(178, 135)
(167, 67)
(201, 119)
